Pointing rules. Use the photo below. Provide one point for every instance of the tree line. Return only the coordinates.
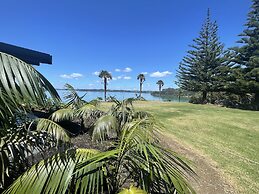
(225, 74)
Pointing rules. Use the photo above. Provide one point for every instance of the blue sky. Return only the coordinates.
(124, 37)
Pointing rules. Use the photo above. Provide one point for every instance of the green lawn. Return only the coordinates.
(230, 137)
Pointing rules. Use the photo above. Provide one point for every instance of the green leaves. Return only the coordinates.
(63, 114)
(198, 70)
(155, 169)
(105, 127)
(59, 174)
(17, 150)
(74, 100)
(21, 86)
(85, 111)
(105, 75)
(246, 57)
(54, 129)
(134, 157)
(22, 82)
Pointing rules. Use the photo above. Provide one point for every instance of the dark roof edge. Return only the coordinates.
(27, 55)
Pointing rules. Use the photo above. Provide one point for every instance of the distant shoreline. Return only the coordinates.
(101, 90)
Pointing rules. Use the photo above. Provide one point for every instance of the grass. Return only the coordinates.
(230, 137)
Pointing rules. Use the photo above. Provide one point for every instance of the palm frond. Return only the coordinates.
(123, 110)
(7, 108)
(21, 87)
(17, 150)
(63, 114)
(105, 127)
(22, 83)
(95, 102)
(54, 129)
(85, 111)
(59, 174)
(142, 115)
(105, 74)
(156, 170)
(72, 98)
(153, 167)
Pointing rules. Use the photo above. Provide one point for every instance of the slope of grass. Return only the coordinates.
(230, 137)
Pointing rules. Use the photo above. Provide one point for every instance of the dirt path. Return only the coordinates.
(210, 179)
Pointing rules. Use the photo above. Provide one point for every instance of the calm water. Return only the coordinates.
(122, 95)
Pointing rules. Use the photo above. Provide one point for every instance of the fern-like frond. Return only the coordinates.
(72, 98)
(54, 129)
(63, 114)
(105, 127)
(22, 83)
(59, 174)
(21, 86)
(155, 169)
(85, 110)
(17, 149)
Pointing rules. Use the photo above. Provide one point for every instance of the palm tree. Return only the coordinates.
(160, 84)
(141, 78)
(106, 76)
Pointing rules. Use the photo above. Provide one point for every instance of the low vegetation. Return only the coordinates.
(38, 156)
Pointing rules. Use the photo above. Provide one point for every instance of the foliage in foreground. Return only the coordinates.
(21, 88)
(135, 157)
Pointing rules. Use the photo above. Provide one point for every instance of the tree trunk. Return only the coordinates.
(160, 91)
(140, 89)
(105, 88)
(204, 97)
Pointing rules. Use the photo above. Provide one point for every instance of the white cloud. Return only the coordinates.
(119, 77)
(127, 77)
(117, 70)
(114, 78)
(160, 74)
(96, 73)
(127, 69)
(145, 73)
(71, 76)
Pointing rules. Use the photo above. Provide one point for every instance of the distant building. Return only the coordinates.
(27, 55)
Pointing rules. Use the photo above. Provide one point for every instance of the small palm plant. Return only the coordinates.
(136, 159)
(105, 75)
(160, 84)
(141, 78)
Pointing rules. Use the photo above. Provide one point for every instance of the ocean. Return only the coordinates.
(90, 95)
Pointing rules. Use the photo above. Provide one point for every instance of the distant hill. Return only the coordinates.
(172, 92)
(101, 90)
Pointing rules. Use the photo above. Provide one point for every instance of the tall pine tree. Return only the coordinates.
(199, 68)
(247, 55)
